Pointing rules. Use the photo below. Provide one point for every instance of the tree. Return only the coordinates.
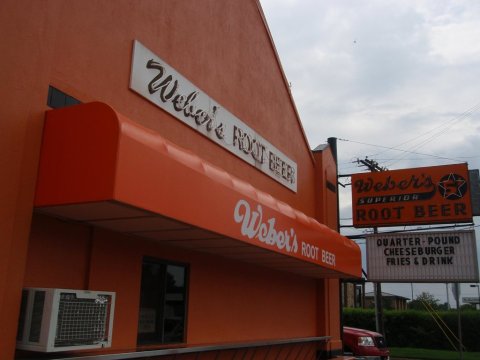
(423, 301)
(468, 307)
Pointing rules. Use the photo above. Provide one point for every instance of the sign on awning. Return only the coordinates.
(130, 179)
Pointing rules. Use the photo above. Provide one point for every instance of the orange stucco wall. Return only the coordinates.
(328, 292)
(228, 301)
(84, 49)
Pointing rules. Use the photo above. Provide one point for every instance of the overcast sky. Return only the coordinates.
(382, 74)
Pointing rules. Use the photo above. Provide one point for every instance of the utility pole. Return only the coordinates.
(456, 292)
(377, 286)
(372, 165)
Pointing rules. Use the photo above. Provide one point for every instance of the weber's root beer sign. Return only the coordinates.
(427, 195)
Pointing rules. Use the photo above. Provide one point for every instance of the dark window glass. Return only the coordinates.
(37, 315)
(69, 101)
(58, 99)
(23, 314)
(162, 302)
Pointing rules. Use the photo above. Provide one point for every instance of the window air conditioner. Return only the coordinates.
(64, 320)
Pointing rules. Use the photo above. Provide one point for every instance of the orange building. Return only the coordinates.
(153, 163)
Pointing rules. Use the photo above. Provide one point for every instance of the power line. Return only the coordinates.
(435, 132)
(428, 137)
(454, 226)
(446, 125)
(400, 150)
(420, 159)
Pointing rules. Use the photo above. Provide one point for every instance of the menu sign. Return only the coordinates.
(449, 256)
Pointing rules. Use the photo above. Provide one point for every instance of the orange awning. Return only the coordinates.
(101, 168)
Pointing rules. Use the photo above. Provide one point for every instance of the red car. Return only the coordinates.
(365, 344)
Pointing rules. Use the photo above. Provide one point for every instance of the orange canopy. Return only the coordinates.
(101, 168)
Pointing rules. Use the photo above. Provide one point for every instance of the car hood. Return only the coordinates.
(361, 332)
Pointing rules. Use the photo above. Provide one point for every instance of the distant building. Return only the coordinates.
(353, 293)
(389, 301)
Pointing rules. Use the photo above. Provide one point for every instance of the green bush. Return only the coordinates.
(413, 328)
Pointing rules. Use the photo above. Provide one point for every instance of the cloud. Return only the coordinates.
(456, 44)
(380, 72)
(388, 73)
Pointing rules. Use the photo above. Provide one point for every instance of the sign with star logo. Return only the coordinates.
(452, 186)
(428, 195)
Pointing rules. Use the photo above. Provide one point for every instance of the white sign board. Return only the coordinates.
(471, 300)
(158, 82)
(422, 257)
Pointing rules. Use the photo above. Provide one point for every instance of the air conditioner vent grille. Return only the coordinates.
(82, 321)
(53, 319)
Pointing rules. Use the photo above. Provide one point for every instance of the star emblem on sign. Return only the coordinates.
(452, 186)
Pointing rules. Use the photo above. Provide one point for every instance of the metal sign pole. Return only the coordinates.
(378, 303)
(457, 299)
(378, 308)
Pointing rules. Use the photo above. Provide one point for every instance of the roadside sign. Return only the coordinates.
(474, 177)
(448, 256)
(437, 194)
(471, 300)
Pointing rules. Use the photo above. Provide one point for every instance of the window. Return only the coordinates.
(58, 99)
(162, 302)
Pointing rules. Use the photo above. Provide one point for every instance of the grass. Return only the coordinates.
(429, 354)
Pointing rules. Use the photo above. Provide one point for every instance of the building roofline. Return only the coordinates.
(285, 81)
